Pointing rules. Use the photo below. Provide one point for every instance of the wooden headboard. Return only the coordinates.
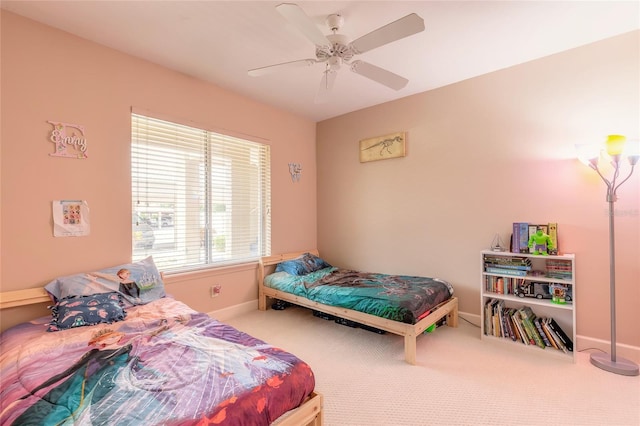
(277, 258)
(30, 296)
(23, 305)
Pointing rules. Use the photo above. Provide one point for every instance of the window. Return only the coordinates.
(200, 199)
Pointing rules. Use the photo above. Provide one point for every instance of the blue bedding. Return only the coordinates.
(400, 298)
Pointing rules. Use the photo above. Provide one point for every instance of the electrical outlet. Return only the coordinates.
(215, 290)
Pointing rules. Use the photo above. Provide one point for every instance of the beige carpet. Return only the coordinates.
(459, 379)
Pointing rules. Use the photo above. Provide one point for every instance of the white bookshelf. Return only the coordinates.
(509, 290)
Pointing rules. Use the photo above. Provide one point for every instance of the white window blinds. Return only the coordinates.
(200, 198)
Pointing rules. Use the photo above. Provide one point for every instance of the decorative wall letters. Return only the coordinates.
(69, 140)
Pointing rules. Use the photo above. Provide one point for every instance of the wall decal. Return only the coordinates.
(295, 169)
(69, 140)
(70, 218)
(383, 147)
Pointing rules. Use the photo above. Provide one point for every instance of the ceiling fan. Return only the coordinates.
(336, 49)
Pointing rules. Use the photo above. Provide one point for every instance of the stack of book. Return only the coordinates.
(502, 285)
(522, 325)
(559, 268)
(515, 266)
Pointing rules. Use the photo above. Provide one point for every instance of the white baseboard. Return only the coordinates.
(472, 318)
(584, 343)
(235, 310)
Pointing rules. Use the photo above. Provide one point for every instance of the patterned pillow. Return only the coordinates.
(79, 311)
(302, 265)
(138, 283)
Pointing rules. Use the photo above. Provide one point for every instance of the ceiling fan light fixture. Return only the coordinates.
(335, 22)
(334, 62)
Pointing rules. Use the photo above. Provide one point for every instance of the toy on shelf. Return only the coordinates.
(533, 289)
(560, 293)
(540, 242)
(496, 244)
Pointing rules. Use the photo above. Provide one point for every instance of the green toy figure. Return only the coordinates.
(540, 242)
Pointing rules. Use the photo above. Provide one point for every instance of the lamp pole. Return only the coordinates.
(611, 362)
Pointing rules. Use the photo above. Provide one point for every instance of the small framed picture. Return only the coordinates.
(383, 147)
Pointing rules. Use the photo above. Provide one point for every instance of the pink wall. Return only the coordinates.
(51, 75)
(482, 154)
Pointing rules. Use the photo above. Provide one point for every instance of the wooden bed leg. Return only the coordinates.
(262, 301)
(318, 420)
(452, 316)
(410, 349)
(262, 298)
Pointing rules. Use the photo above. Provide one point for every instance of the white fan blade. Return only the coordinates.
(285, 65)
(296, 16)
(380, 75)
(403, 27)
(326, 85)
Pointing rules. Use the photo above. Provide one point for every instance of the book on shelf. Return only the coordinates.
(507, 260)
(497, 319)
(514, 266)
(522, 325)
(553, 234)
(527, 337)
(514, 324)
(559, 268)
(517, 320)
(488, 316)
(511, 331)
(506, 271)
(520, 237)
(528, 317)
(509, 266)
(566, 341)
(538, 323)
(545, 329)
(502, 285)
(555, 340)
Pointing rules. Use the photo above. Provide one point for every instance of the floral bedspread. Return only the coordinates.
(397, 297)
(164, 365)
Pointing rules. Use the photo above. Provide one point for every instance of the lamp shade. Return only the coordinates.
(615, 144)
(632, 151)
(588, 153)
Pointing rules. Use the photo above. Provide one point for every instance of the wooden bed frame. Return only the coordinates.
(410, 332)
(309, 413)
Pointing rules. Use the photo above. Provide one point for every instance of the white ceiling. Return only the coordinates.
(219, 41)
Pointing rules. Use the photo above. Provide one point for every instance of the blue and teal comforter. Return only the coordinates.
(400, 298)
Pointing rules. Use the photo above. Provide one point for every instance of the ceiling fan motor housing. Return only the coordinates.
(339, 47)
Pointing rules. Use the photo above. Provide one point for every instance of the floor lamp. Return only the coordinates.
(616, 147)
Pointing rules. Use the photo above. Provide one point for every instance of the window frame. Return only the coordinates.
(233, 180)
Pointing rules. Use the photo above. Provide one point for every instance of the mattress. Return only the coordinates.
(400, 298)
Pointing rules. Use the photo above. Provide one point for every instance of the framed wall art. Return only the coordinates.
(383, 147)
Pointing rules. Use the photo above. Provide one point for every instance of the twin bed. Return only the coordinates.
(108, 355)
(101, 360)
(402, 305)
